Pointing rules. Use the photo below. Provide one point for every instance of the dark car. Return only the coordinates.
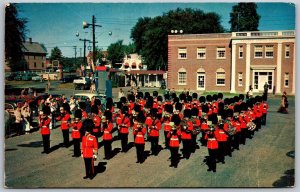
(69, 79)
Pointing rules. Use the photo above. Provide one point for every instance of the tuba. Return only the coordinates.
(251, 126)
(231, 129)
(196, 129)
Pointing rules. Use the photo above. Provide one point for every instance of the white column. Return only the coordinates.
(148, 81)
(279, 63)
(294, 70)
(156, 81)
(125, 81)
(248, 56)
(233, 66)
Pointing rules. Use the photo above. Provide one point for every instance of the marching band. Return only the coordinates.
(221, 124)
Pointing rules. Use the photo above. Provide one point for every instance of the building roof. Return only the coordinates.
(33, 47)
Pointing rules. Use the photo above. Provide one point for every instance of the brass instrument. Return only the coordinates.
(251, 126)
(196, 129)
(231, 129)
(184, 125)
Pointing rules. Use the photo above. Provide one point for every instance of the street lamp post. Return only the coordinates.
(84, 46)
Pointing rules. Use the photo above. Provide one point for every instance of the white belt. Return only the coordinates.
(44, 126)
(167, 123)
(211, 139)
(139, 135)
(106, 131)
(75, 130)
(174, 139)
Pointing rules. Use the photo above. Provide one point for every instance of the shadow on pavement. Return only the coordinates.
(115, 152)
(14, 149)
(100, 168)
(55, 147)
(288, 180)
(32, 144)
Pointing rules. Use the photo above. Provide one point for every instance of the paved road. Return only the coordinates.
(262, 162)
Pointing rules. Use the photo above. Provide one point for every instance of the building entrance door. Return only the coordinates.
(200, 81)
(262, 79)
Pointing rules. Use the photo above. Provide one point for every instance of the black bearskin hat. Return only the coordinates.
(187, 113)
(208, 98)
(167, 97)
(109, 100)
(194, 111)
(123, 99)
(155, 93)
(97, 102)
(189, 98)
(141, 118)
(153, 112)
(182, 96)
(88, 125)
(169, 108)
(241, 97)
(131, 97)
(125, 109)
(237, 108)
(236, 99)
(78, 114)
(195, 96)
(94, 109)
(220, 95)
(119, 105)
(229, 113)
(159, 98)
(108, 115)
(178, 106)
(46, 110)
(147, 95)
(176, 100)
(176, 119)
(173, 95)
(140, 95)
(215, 97)
(205, 109)
(202, 99)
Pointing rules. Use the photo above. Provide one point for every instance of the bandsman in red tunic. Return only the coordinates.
(166, 122)
(123, 123)
(174, 144)
(89, 149)
(212, 146)
(153, 129)
(106, 129)
(96, 120)
(186, 133)
(76, 133)
(139, 140)
(222, 138)
(64, 125)
(45, 130)
(264, 108)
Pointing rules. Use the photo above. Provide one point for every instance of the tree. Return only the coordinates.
(115, 52)
(129, 49)
(244, 17)
(15, 31)
(150, 36)
(56, 54)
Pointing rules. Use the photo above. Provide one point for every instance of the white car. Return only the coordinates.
(84, 96)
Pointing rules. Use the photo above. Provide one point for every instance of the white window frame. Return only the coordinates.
(179, 78)
(241, 50)
(286, 78)
(219, 50)
(258, 48)
(240, 79)
(182, 50)
(201, 50)
(220, 74)
(269, 49)
(287, 50)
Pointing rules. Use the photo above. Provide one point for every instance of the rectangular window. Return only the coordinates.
(42, 64)
(241, 52)
(287, 51)
(201, 53)
(256, 80)
(240, 79)
(182, 78)
(258, 51)
(269, 49)
(286, 80)
(220, 78)
(221, 53)
(34, 64)
(182, 53)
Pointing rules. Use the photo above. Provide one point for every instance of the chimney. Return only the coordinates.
(30, 40)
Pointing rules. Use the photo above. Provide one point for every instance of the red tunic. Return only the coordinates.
(124, 124)
(174, 139)
(154, 128)
(107, 135)
(76, 130)
(97, 122)
(89, 146)
(139, 136)
(220, 135)
(187, 134)
(64, 121)
(212, 143)
(44, 125)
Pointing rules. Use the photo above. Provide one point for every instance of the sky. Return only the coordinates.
(56, 24)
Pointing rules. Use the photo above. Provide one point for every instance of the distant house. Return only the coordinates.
(132, 62)
(35, 55)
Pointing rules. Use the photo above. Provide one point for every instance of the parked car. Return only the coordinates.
(27, 76)
(36, 78)
(11, 76)
(82, 83)
(69, 78)
(83, 97)
(10, 108)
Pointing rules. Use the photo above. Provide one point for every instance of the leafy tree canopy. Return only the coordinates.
(56, 54)
(150, 35)
(15, 31)
(244, 17)
(115, 52)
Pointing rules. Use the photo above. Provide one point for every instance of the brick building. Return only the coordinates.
(232, 62)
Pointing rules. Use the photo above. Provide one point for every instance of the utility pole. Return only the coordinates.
(75, 47)
(84, 46)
